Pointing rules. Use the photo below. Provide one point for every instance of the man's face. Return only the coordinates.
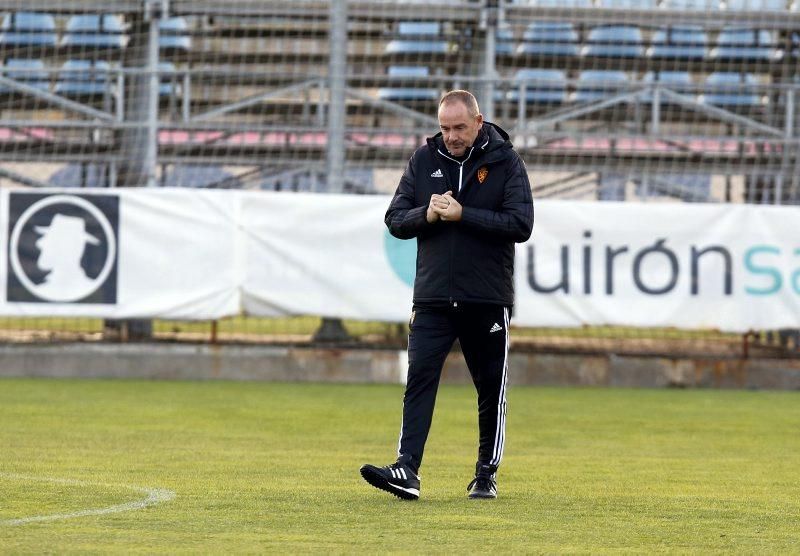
(459, 130)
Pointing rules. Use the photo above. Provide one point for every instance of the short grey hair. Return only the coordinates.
(464, 97)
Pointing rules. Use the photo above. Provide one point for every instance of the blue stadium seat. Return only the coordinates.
(731, 90)
(686, 43)
(676, 81)
(618, 41)
(612, 186)
(597, 84)
(424, 38)
(28, 29)
(408, 93)
(549, 39)
(548, 86)
(737, 43)
(504, 39)
(199, 175)
(81, 78)
(96, 31)
(31, 72)
(757, 5)
(173, 34)
(169, 85)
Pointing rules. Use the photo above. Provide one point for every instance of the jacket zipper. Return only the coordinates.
(450, 259)
(454, 304)
(460, 166)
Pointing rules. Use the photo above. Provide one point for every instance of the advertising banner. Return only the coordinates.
(188, 254)
(695, 266)
(118, 253)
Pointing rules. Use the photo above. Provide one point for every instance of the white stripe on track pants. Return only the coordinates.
(482, 331)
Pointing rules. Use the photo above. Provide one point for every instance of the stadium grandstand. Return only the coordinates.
(679, 101)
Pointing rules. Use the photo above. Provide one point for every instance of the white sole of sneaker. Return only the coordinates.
(379, 481)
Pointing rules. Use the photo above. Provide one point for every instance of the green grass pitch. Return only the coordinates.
(259, 467)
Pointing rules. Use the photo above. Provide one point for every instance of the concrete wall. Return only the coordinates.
(303, 364)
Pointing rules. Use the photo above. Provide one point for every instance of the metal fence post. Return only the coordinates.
(337, 83)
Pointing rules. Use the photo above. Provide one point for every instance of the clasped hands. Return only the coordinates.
(443, 207)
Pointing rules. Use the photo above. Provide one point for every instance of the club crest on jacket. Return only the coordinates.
(482, 173)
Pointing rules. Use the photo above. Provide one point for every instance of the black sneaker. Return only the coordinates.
(484, 485)
(396, 478)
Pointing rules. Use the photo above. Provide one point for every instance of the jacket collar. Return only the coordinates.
(491, 137)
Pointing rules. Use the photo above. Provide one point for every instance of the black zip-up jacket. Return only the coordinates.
(471, 260)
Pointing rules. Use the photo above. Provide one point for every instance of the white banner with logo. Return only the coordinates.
(119, 253)
(695, 266)
(188, 254)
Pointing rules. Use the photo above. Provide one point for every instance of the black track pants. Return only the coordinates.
(482, 331)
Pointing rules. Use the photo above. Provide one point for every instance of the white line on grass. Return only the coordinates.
(154, 496)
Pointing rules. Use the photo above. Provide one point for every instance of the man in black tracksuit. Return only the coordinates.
(465, 196)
